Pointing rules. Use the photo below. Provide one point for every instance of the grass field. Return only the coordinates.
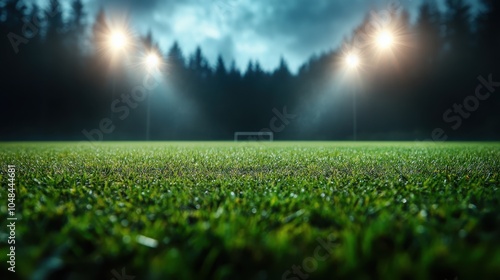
(198, 210)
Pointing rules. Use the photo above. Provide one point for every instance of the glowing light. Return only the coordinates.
(352, 60)
(152, 61)
(385, 40)
(118, 41)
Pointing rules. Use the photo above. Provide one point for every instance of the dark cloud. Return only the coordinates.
(135, 5)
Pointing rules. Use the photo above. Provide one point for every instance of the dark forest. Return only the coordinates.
(58, 84)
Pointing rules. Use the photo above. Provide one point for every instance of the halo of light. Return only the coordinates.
(152, 60)
(352, 60)
(118, 40)
(385, 40)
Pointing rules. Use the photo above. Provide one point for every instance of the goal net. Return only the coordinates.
(253, 136)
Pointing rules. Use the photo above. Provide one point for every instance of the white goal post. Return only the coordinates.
(254, 136)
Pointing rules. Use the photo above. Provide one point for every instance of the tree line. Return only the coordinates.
(438, 82)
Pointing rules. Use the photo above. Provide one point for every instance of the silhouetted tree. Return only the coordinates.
(199, 64)
(100, 30)
(458, 31)
(488, 24)
(220, 68)
(55, 23)
(428, 33)
(76, 24)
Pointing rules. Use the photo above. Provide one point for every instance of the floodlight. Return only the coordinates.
(152, 61)
(118, 41)
(385, 40)
(352, 60)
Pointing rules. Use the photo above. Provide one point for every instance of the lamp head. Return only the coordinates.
(385, 40)
(352, 60)
(118, 41)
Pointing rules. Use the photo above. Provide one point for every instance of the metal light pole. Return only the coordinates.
(117, 45)
(353, 62)
(354, 116)
(384, 41)
(152, 63)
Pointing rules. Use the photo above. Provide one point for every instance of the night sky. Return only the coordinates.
(246, 30)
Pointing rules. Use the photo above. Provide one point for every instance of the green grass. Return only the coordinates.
(252, 211)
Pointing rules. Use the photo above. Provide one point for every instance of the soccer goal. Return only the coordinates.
(253, 136)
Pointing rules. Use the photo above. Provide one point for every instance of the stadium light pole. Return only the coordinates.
(384, 41)
(152, 62)
(353, 62)
(117, 44)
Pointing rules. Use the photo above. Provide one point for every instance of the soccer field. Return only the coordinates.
(280, 210)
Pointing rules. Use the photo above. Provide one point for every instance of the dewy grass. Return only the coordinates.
(221, 210)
